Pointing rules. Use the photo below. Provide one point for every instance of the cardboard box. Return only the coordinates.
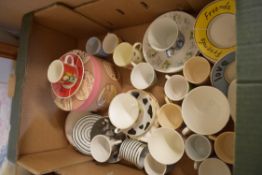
(38, 142)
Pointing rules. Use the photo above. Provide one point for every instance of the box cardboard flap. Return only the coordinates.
(93, 168)
(65, 20)
(41, 163)
(123, 13)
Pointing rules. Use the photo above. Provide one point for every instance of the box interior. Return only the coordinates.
(42, 144)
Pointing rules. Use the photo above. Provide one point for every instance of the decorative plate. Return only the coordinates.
(173, 60)
(210, 49)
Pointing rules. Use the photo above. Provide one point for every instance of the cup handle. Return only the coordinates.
(138, 46)
(196, 165)
(71, 60)
(117, 142)
(212, 137)
(186, 131)
(167, 100)
(117, 130)
(167, 77)
(133, 63)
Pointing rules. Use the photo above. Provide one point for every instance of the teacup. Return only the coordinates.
(124, 54)
(176, 87)
(166, 146)
(152, 167)
(64, 72)
(198, 148)
(142, 76)
(225, 146)
(94, 47)
(170, 115)
(110, 42)
(213, 166)
(162, 34)
(123, 111)
(103, 147)
(196, 70)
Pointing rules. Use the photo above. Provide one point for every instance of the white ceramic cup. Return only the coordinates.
(213, 166)
(125, 53)
(197, 148)
(222, 30)
(102, 147)
(224, 146)
(166, 146)
(205, 111)
(232, 98)
(110, 42)
(176, 87)
(94, 47)
(152, 167)
(123, 111)
(162, 34)
(142, 76)
(196, 70)
(170, 115)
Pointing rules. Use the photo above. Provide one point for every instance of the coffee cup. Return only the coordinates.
(123, 111)
(125, 53)
(213, 166)
(224, 146)
(197, 148)
(103, 147)
(142, 75)
(152, 167)
(64, 72)
(162, 34)
(169, 115)
(232, 98)
(176, 87)
(166, 146)
(196, 70)
(94, 47)
(110, 42)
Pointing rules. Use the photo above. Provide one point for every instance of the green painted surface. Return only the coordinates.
(20, 73)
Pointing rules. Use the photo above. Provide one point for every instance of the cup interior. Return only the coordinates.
(224, 147)
(176, 87)
(110, 42)
(213, 166)
(166, 146)
(222, 30)
(142, 75)
(170, 116)
(122, 54)
(153, 167)
(198, 147)
(93, 45)
(196, 70)
(162, 34)
(55, 71)
(101, 148)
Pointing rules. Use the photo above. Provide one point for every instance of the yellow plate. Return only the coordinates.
(207, 14)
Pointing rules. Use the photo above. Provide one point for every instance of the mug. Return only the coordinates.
(64, 72)
(124, 54)
(142, 75)
(123, 111)
(162, 34)
(197, 148)
(166, 146)
(103, 147)
(94, 47)
(224, 146)
(134, 152)
(176, 87)
(170, 115)
(110, 42)
(196, 70)
(213, 166)
(152, 167)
